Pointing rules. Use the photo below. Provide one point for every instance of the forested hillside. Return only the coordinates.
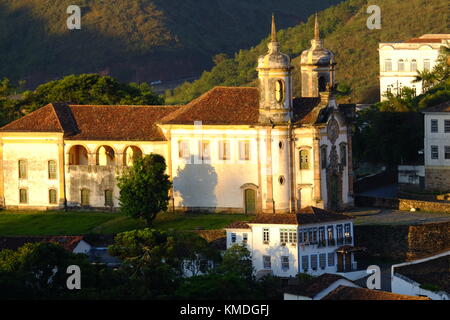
(134, 40)
(345, 32)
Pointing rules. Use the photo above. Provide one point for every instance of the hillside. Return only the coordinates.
(344, 30)
(134, 40)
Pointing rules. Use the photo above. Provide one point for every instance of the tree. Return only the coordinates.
(144, 188)
(238, 260)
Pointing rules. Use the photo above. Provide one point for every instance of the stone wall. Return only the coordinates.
(403, 242)
(437, 179)
(403, 204)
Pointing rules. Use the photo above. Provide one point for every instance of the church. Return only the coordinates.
(232, 150)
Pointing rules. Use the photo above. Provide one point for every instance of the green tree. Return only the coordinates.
(238, 260)
(144, 188)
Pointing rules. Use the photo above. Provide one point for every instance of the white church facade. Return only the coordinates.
(233, 149)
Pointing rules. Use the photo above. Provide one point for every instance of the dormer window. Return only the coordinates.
(279, 91)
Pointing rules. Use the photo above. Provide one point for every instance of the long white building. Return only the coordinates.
(400, 61)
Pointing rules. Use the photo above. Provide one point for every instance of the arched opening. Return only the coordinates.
(78, 155)
(105, 156)
(250, 201)
(322, 84)
(279, 91)
(130, 155)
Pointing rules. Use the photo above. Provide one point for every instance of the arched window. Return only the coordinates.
(343, 154)
(130, 155)
(23, 195)
(52, 198)
(105, 156)
(23, 169)
(401, 65)
(78, 155)
(388, 65)
(279, 91)
(323, 156)
(426, 64)
(52, 169)
(85, 197)
(304, 159)
(413, 65)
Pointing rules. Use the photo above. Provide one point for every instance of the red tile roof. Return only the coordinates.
(308, 215)
(13, 243)
(423, 40)
(310, 288)
(442, 107)
(238, 225)
(44, 119)
(351, 293)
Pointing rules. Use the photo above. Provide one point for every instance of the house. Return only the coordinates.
(437, 147)
(313, 241)
(75, 244)
(233, 149)
(353, 293)
(400, 61)
(427, 277)
(316, 288)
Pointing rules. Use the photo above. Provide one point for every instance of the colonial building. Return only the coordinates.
(437, 147)
(313, 241)
(233, 149)
(400, 61)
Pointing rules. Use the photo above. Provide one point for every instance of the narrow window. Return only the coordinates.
(340, 234)
(343, 154)
(347, 233)
(426, 64)
(109, 198)
(52, 199)
(388, 65)
(313, 235)
(244, 237)
(266, 235)
(446, 126)
(413, 65)
(447, 152)
(23, 195)
(323, 156)
(204, 150)
(434, 125)
(331, 259)
(330, 236)
(304, 159)
(322, 260)
(283, 236)
(84, 197)
(224, 150)
(183, 150)
(233, 238)
(284, 263)
(305, 263)
(434, 152)
(267, 263)
(314, 261)
(52, 169)
(22, 169)
(279, 91)
(322, 237)
(244, 150)
(401, 65)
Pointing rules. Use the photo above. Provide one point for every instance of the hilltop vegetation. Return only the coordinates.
(138, 40)
(344, 30)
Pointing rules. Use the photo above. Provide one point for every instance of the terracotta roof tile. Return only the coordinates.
(44, 119)
(310, 288)
(238, 225)
(442, 107)
(423, 40)
(350, 293)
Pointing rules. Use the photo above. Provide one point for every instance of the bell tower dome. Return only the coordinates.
(316, 67)
(275, 83)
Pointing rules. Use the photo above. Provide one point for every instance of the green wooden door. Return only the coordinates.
(250, 201)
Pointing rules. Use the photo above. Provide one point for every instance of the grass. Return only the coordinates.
(15, 223)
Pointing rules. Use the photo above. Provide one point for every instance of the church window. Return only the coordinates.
(281, 180)
(52, 199)
(304, 159)
(109, 198)
(23, 195)
(279, 91)
(388, 65)
(224, 150)
(426, 64)
(84, 197)
(323, 156)
(280, 145)
(22, 169)
(401, 65)
(204, 149)
(183, 150)
(434, 152)
(244, 150)
(413, 67)
(52, 169)
(343, 154)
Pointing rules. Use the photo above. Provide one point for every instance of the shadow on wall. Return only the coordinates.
(195, 184)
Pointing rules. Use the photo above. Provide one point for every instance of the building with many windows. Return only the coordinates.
(313, 241)
(437, 147)
(400, 61)
(233, 149)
